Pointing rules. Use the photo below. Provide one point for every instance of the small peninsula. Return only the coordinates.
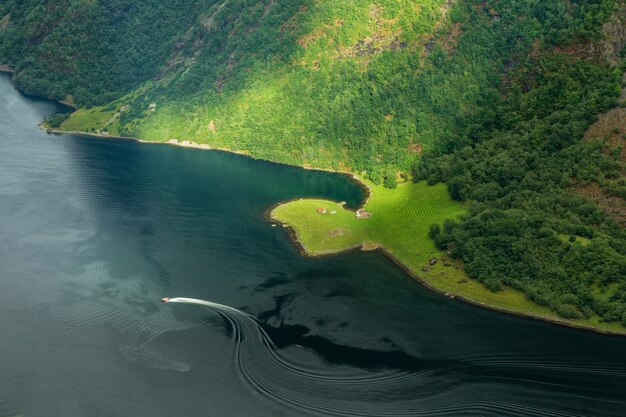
(398, 222)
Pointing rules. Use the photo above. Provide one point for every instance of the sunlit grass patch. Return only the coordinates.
(399, 223)
(94, 119)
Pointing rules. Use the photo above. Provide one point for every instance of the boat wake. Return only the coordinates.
(347, 391)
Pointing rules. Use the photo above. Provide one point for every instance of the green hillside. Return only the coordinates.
(491, 97)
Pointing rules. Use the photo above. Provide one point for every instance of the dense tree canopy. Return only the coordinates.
(93, 51)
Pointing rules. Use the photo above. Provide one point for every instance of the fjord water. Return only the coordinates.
(93, 232)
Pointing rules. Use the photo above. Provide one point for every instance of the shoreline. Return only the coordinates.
(367, 191)
(6, 69)
(526, 316)
(414, 276)
(295, 240)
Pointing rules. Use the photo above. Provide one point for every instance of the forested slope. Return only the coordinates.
(492, 97)
(91, 51)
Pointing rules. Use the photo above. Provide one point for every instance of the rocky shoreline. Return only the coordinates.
(6, 68)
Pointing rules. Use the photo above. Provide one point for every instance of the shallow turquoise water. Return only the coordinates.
(94, 232)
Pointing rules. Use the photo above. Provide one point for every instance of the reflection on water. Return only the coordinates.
(94, 232)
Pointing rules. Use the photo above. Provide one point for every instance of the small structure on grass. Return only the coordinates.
(362, 214)
(321, 210)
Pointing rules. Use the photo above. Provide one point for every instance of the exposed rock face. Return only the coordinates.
(4, 22)
(610, 128)
(611, 204)
(615, 35)
(611, 44)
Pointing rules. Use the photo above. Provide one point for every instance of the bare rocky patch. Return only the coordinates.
(337, 232)
(415, 148)
(385, 36)
(5, 21)
(610, 130)
(612, 42)
(613, 205)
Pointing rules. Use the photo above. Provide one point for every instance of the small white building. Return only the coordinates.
(362, 214)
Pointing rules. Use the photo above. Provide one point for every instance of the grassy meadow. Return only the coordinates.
(400, 220)
(399, 223)
(94, 120)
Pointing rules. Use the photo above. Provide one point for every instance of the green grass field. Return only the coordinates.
(94, 119)
(400, 220)
(399, 223)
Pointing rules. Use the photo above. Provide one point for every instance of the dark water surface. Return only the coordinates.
(94, 232)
